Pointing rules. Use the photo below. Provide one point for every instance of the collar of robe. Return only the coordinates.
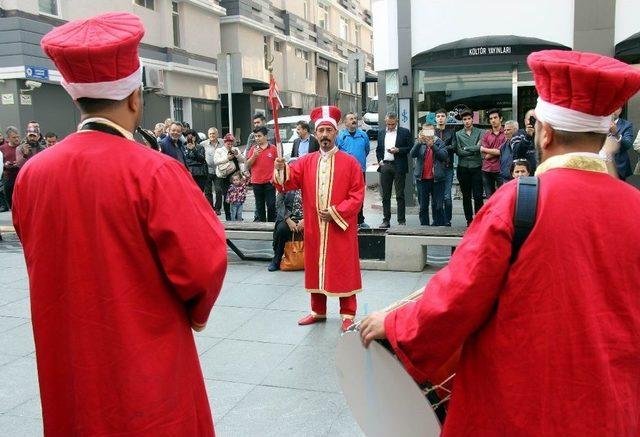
(330, 153)
(577, 161)
(91, 124)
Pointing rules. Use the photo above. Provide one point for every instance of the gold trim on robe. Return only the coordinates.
(576, 161)
(338, 218)
(330, 294)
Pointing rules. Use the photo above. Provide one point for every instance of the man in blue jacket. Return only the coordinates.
(172, 145)
(355, 142)
(622, 130)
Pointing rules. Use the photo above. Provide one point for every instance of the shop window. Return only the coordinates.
(49, 7)
(175, 16)
(149, 4)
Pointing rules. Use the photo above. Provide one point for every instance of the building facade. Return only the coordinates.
(307, 42)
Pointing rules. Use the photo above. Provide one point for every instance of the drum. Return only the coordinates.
(382, 396)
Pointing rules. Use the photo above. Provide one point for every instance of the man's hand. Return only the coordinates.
(279, 164)
(530, 130)
(611, 146)
(372, 328)
(325, 215)
(613, 129)
(26, 150)
(191, 146)
(394, 150)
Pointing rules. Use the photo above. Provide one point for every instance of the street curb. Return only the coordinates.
(8, 232)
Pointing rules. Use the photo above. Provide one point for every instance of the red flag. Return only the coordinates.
(276, 103)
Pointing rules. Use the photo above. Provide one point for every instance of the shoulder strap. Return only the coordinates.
(524, 216)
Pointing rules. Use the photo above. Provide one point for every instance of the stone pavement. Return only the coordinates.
(265, 375)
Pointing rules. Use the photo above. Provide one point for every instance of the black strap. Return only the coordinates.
(524, 216)
(100, 127)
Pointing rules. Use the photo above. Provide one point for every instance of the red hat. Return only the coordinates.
(326, 115)
(98, 57)
(578, 92)
(229, 137)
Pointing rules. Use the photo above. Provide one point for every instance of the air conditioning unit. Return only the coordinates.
(153, 78)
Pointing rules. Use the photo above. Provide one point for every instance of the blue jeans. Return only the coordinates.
(236, 212)
(428, 190)
(448, 200)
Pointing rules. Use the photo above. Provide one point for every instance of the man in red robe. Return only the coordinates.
(332, 195)
(125, 256)
(550, 342)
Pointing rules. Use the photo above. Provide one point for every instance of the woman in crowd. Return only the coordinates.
(289, 220)
(194, 157)
(227, 160)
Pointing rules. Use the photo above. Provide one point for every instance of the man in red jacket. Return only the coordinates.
(123, 252)
(551, 341)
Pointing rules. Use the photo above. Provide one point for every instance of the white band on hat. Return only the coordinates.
(329, 120)
(570, 120)
(114, 90)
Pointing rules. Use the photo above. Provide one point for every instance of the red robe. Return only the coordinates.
(122, 252)
(551, 344)
(331, 257)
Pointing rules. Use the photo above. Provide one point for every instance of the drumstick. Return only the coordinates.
(411, 298)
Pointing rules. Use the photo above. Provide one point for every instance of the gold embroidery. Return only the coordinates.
(577, 162)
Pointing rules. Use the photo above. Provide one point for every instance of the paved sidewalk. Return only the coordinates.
(265, 375)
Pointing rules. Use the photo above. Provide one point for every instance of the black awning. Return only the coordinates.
(629, 49)
(494, 49)
(254, 85)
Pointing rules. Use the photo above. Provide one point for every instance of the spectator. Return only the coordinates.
(527, 146)
(167, 125)
(468, 141)
(236, 195)
(447, 136)
(258, 121)
(431, 156)
(50, 139)
(34, 125)
(210, 145)
(490, 151)
(260, 161)
(289, 221)
(510, 149)
(305, 143)
(194, 158)
(227, 160)
(159, 131)
(355, 142)
(29, 148)
(394, 144)
(172, 145)
(622, 130)
(3, 203)
(10, 151)
(519, 168)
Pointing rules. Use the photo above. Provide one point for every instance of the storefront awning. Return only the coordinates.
(494, 49)
(629, 49)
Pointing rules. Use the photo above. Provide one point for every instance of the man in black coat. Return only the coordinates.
(394, 143)
(305, 143)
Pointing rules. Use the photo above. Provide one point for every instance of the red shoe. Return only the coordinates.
(311, 319)
(346, 324)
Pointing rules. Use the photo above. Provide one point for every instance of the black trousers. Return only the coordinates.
(265, 194)
(389, 178)
(491, 181)
(211, 192)
(281, 235)
(201, 181)
(222, 186)
(8, 190)
(470, 183)
(361, 213)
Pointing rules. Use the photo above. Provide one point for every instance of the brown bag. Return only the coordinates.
(293, 258)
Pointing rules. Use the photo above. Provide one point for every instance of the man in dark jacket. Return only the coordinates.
(30, 147)
(622, 131)
(305, 143)
(446, 135)
(431, 158)
(394, 144)
(172, 144)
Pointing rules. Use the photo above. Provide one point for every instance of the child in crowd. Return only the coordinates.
(520, 167)
(236, 195)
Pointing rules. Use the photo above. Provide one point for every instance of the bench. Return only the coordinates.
(248, 231)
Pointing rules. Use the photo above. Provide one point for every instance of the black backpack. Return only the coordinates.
(524, 216)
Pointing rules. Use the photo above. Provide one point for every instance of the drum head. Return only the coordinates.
(383, 398)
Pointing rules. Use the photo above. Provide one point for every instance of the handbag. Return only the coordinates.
(293, 258)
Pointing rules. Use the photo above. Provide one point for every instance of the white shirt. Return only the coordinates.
(389, 143)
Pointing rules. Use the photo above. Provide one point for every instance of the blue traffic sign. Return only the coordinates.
(31, 72)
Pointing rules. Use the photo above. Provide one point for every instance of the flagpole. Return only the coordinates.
(274, 100)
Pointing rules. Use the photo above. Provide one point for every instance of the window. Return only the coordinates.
(343, 81)
(149, 4)
(178, 109)
(344, 29)
(176, 23)
(323, 16)
(305, 9)
(304, 55)
(48, 7)
(358, 36)
(277, 46)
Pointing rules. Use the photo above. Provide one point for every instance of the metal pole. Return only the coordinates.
(229, 94)
(357, 111)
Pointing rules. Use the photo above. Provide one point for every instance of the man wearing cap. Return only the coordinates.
(332, 195)
(550, 340)
(124, 255)
(30, 147)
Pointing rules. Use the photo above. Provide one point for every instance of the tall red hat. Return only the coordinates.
(326, 115)
(98, 57)
(578, 92)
